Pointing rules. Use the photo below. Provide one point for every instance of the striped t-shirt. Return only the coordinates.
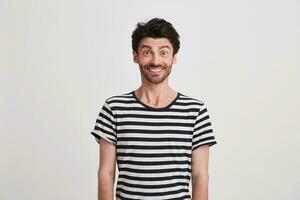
(154, 145)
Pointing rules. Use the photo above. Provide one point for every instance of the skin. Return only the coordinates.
(200, 157)
(153, 53)
(106, 172)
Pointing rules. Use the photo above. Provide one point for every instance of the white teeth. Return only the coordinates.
(155, 69)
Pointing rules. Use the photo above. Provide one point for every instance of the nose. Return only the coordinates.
(155, 59)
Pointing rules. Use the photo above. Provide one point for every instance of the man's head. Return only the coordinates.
(155, 45)
(155, 28)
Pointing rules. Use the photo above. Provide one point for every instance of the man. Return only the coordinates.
(158, 137)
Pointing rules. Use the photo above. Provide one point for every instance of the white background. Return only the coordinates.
(60, 59)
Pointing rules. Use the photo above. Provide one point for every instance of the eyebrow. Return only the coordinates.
(147, 46)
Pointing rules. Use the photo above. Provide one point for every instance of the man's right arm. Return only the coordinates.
(106, 173)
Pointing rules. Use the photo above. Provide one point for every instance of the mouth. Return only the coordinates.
(155, 70)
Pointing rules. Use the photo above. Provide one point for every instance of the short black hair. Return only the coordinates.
(155, 28)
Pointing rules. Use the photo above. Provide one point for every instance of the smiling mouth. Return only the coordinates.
(154, 70)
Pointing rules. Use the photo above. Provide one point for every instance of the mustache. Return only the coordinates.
(153, 65)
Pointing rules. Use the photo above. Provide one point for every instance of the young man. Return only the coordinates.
(158, 137)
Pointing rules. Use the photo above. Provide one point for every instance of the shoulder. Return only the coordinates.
(191, 100)
(119, 98)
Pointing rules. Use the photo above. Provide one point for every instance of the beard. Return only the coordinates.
(166, 70)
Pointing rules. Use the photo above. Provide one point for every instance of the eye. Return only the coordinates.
(164, 53)
(147, 53)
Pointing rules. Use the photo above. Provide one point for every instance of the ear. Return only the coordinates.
(135, 57)
(174, 59)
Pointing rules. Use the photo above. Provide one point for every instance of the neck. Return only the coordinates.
(156, 95)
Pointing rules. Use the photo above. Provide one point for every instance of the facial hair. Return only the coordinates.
(155, 79)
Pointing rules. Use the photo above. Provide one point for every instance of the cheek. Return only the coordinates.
(168, 62)
(143, 60)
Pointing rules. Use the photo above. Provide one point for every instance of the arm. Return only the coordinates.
(200, 172)
(106, 173)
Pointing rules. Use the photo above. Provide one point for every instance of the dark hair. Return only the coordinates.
(155, 28)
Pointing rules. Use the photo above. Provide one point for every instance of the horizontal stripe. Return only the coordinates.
(174, 162)
(122, 196)
(119, 108)
(153, 159)
(153, 182)
(160, 194)
(154, 123)
(128, 116)
(153, 178)
(153, 147)
(153, 131)
(154, 139)
(154, 155)
(153, 186)
(126, 169)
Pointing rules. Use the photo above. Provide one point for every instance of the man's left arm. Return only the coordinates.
(200, 177)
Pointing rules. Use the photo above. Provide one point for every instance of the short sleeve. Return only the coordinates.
(105, 125)
(203, 133)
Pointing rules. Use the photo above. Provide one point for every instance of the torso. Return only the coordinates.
(154, 147)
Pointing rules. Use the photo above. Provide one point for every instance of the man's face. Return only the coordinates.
(155, 59)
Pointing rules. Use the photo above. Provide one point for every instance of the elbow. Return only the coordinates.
(106, 175)
(200, 179)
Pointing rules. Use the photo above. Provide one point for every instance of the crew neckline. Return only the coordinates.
(153, 108)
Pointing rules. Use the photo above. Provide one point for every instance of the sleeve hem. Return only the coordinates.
(209, 143)
(100, 135)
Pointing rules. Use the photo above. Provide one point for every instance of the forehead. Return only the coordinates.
(155, 42)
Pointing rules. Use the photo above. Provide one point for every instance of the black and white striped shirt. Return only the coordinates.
(154, 145)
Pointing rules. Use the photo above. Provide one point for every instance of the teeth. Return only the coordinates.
(155, 69)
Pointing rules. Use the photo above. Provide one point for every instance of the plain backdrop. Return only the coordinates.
(60, 59)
